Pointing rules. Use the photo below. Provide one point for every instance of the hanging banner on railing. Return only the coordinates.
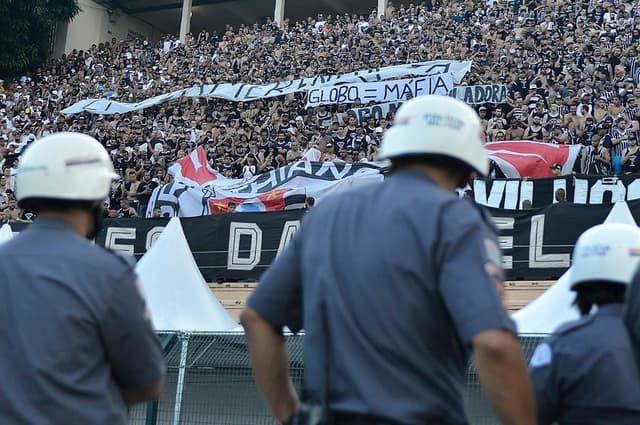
(536, 243)
(492, 93)
(241, 92)
(579, 189)
(383, 91)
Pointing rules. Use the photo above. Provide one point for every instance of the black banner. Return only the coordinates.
(226, 247)
(579, 189)
(536, 243)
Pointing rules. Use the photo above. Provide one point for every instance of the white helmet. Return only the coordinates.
(68, 166)
(436, 125)
(606, 253)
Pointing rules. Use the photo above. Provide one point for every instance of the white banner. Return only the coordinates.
(241, 92)
(383, 91)
(492, 93)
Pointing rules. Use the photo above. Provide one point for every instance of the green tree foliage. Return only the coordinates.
(26, 31)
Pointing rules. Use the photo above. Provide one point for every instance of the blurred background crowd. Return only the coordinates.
(571, 69)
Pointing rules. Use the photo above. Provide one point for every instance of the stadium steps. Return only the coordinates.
(521, 293)
(233, 295)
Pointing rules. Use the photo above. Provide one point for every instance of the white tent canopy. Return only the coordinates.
(176, 293)
(553, 308)
(5, 233)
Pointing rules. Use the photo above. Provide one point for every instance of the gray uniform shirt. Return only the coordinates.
(585, 373)
(408, 273)
(72, 330)
(632, 316)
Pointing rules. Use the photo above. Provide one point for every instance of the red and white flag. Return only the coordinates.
(194, 169)
(519, 159)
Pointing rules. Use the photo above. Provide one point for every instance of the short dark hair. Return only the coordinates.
(597, 293)
(38, 205)
(458, 170)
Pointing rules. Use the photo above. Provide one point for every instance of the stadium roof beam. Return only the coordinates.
(382, 7)
(278, 13)
(167, 6)
(185, 21)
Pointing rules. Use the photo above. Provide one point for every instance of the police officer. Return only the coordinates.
(632, 315)
(585, 372)
(75, 341)
(394, 285)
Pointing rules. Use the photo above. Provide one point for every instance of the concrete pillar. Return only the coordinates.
(382, 7)
(278, 14)
(185, 22)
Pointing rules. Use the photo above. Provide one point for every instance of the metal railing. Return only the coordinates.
(210, 381)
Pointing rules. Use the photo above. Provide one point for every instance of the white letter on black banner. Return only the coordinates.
(538, 260)
(288, 231)
(506, 242)
(152, 236)
(236, 231)
(115, 233)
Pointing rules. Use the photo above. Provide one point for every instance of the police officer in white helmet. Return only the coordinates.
(395, 285)
(76, 343)
(632, 315)
(585, 373)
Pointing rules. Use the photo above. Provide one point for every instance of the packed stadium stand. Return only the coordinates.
(570, 69)
(568, 66)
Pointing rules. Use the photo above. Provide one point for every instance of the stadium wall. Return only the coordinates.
(95, 24)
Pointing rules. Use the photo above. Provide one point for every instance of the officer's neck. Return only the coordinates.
(80, 220)
(438, 175)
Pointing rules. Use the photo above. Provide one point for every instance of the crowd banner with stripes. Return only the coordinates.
(241, 92)
(198, 190)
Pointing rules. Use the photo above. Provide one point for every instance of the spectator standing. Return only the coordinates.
(631, 157)
(369, 371)
(126, 210)
(595, 159)
(130, 188)
(144, 190)
(13, 211)
(77, 346)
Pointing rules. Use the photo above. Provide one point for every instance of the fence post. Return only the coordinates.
(151, 416)
(184, 338)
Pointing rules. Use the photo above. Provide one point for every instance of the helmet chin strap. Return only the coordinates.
(98, 220)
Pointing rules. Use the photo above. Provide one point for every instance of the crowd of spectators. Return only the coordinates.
(570, 66)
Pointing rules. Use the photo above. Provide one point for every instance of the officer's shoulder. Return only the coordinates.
(116, 258)
(575, 325)
(464, 210)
